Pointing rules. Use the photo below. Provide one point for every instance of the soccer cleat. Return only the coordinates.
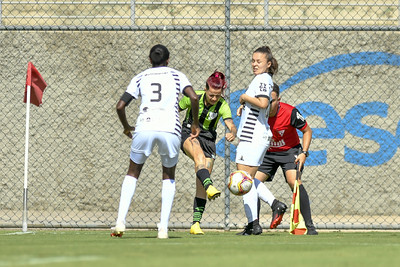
(195, 229)
(212, 192)
(118, 230)
(162, 234)
(248, 230)
(278, 209)
(257, 229)
(311, 231)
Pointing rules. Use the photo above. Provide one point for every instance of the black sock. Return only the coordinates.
(305, 206)
(258, 208)
(199, 206)
(204, 176)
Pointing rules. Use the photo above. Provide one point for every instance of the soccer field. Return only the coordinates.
(142, 248)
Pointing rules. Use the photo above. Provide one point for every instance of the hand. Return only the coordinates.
(230, 137)
(128, 131)
(242, 100)
(301, 159)
(239, 111)
(195, 131)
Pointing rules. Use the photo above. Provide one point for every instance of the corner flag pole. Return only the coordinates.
(25, 195)
(34, 87)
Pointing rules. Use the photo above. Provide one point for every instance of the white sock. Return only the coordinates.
(250, 204)
(167, 198)
(127, 192)
(263, 192)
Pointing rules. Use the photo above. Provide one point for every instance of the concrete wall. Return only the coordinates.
(78, 155)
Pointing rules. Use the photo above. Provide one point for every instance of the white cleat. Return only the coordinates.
(118, 230)
(162, 233)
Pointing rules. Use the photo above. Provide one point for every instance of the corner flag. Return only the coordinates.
(35, 82)
(34, 87)
(297, 224)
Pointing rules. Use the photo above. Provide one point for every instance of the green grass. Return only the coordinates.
(58, 248)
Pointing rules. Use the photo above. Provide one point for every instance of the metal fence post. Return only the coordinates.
(227, 144)
(132, 12)
(266, 14)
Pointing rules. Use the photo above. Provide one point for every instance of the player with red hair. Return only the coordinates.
(202, 150)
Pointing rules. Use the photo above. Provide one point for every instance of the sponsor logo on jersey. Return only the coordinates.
(280, 143)
(212, 115)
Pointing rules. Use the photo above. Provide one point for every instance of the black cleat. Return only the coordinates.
(311, 231)
(278, 209)
(248, 230)
(252, 228)
(257, 230)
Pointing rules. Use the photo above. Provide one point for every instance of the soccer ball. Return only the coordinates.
(240, 183)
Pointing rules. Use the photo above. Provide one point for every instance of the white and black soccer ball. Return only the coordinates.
(240, 183)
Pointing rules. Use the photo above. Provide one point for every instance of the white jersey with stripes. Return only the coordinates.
(159, 89)
(254, 122)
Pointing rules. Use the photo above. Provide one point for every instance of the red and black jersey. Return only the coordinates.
(283, 127)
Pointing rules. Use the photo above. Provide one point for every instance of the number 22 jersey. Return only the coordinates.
(253, 126)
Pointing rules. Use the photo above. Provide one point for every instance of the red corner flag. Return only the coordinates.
(297, 224)
(36, 83)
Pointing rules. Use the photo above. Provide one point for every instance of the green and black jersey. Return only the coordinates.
(208, 116)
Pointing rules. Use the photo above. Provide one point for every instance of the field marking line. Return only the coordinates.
(19, 233)
(49, 260)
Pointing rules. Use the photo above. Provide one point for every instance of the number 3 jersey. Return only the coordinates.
(159, 89)
(253, 123)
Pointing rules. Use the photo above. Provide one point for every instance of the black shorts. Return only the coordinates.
(207, 145)
(284, 159)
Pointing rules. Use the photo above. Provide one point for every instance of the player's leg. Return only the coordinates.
(278, 207)
(168, 148)
(167, 199)
(249, 162)
(139, 149)
(266, 172)
(194, 150)
(305, 207)
(250, 201)
(199, 203)
(290, 175)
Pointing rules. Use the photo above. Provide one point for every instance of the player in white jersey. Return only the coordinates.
(157, 124)
(254, 133)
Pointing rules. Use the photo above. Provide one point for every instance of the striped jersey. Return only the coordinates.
(159, 89)
(253, 125)
(208, 116)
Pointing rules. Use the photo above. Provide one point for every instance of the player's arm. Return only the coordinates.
(183, 103)
(122, 103)
(259, 101)
(232, 128)
(239, 110)
(307, 136)
(194, 103)
(300, 123)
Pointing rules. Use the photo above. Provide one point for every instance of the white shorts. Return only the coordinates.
(168, 147)
(251, 154)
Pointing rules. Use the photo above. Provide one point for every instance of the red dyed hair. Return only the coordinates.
(217, 81)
